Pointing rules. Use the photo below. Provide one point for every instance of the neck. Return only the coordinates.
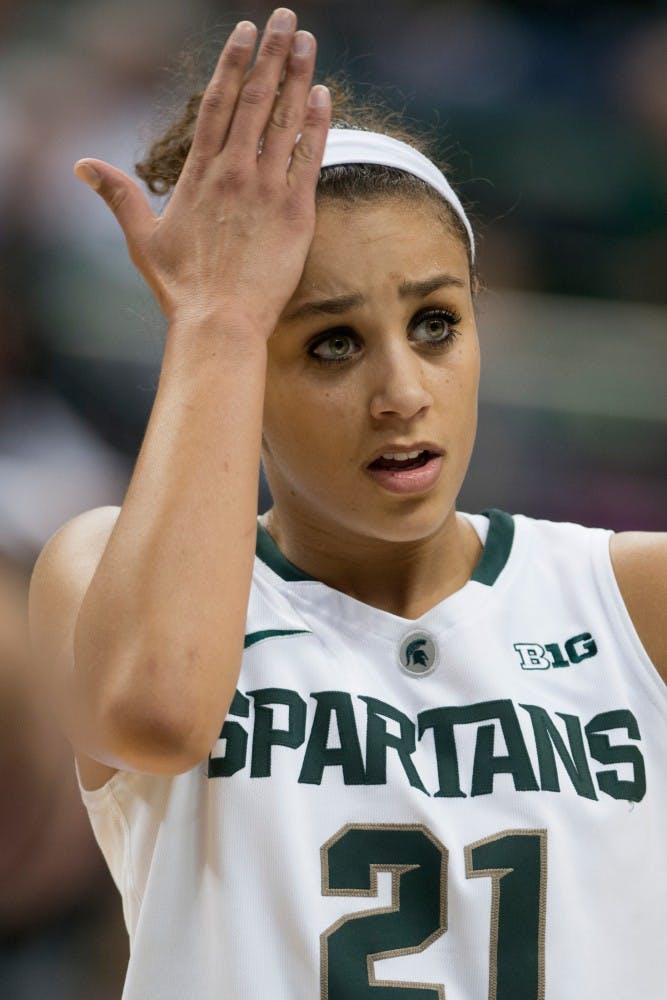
(404, 578)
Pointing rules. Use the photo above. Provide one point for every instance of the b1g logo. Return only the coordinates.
(536, 657)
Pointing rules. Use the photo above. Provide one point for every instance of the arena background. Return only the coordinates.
(553, 117)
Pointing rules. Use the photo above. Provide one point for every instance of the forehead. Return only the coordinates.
(376, 242)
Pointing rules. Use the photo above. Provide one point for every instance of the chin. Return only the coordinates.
(412, 521)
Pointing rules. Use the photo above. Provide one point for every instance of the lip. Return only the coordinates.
(408, 481)
(395, 447)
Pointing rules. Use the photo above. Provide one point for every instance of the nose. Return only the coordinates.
(399, 388)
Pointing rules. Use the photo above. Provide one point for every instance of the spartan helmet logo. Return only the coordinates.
(418, 654)
(415, 654)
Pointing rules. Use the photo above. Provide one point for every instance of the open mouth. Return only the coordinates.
(407, 472)
(402, 462)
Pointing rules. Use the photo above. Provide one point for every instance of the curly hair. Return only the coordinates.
(162, 166)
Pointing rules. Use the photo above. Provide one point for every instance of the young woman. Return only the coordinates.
(374, 748)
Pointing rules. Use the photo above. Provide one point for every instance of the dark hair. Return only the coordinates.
(350, 182)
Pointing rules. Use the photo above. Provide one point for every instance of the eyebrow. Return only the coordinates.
(419, 289)
(343, 303)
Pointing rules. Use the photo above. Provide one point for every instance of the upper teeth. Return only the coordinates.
(402, 456)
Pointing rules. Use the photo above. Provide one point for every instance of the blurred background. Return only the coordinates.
(553, 118)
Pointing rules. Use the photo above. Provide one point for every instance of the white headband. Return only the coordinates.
(353, 146)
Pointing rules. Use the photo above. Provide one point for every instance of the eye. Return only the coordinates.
(435, 328)
(337, 345)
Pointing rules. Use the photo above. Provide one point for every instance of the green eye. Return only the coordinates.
(433, 329)
(336, 347)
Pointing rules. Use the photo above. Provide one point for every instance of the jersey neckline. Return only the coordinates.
(495, 553)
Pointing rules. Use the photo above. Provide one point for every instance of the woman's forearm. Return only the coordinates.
(159, 636)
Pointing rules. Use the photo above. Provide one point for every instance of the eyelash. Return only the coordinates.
(449, 315)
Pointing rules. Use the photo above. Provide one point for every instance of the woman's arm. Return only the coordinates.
(157, 642)
(640, 564)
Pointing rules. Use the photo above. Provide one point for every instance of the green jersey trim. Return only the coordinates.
(271, 633)
(496, 549)
(494, 557)
(269, 553)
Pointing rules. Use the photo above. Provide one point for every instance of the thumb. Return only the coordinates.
(123, 196)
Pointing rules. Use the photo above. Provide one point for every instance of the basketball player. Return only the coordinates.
(374, 748)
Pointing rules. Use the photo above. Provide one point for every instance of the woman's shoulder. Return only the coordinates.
(629, 569)
(60, 579)
(639, 560)
(64, 570)
(78, 543)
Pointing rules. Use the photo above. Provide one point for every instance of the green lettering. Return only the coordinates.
(553, 649)
(333, 705)
(580, 647)
(265, 737)
(515, 762)
(378, 740)
(532, 656)
(417, 917)
(236, 742)
(516, 863)
(442, 722)
(603, 751)
(548, 739)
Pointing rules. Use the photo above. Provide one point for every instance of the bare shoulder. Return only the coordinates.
(640, 564)
(74, 550)
(60, 579)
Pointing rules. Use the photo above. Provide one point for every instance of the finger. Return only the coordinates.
(258, 93)
(288, 112)
(221, 94)
(125, 198)
(309, 150)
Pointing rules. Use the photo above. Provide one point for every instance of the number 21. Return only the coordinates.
(514, 860)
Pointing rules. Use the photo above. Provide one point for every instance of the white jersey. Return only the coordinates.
(466, 806)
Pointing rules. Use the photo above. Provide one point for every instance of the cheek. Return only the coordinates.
(467, 370)
(305, 425)
(456, 383)
(469, 381)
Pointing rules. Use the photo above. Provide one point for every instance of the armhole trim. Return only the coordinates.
(103, 808)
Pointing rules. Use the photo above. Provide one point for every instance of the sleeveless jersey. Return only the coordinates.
(469, 805)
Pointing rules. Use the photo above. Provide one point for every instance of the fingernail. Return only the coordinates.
(302, 44)
(282, 19)
(88, 175)
(244, 33)
(319, 96)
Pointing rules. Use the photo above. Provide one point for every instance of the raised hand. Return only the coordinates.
(234, 237)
